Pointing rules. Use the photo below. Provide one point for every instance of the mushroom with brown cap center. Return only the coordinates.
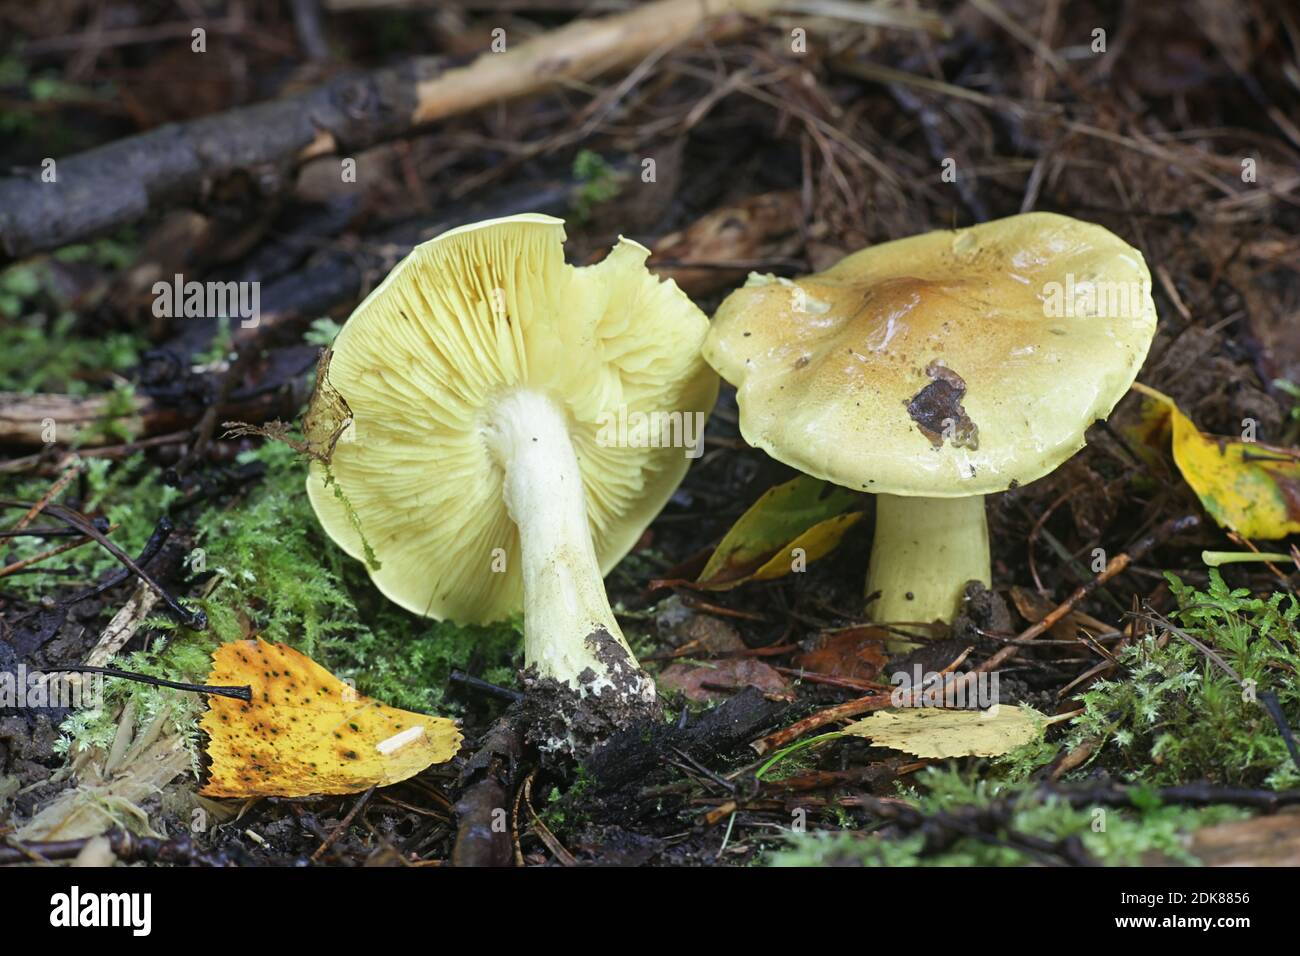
(935, 370)
(482, 380)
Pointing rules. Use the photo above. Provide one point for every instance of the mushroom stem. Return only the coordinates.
(570, 633)
(924, 552)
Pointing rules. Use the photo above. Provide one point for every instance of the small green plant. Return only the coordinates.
(18, 284)
(599, 183)
(113, 253)
(564, 811)
(19, 120)
(323, 332)
(1292, 389)
(1293, 416)
(220, 348)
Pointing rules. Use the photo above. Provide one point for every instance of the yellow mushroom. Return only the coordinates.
(486, 380)
(934, 370)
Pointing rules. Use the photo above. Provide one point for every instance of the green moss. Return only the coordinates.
(45, 127)
(129, 495)
(267, 569)
(407, 661)
(1174, 715)
(354, 519)
(323, 332)
(45, 355)
(1020, 763)
(221, 346)
(270, 564)
(1170, 715)
(277, 570)
(117, 424)
(564, 811)
(184, 657)
(553, 814)
(115, 252)
(1115, 837)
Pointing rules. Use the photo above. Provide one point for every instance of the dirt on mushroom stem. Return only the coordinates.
(570, 632)
(566, 720)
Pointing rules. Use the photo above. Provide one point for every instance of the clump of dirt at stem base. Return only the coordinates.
(267, 570)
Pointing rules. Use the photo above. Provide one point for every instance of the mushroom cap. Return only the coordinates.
(947, 364)
(463, 320)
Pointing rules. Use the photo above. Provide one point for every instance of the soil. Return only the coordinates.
(1147, 139)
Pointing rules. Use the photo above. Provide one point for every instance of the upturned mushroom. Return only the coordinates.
(935, 370)
(504, 427)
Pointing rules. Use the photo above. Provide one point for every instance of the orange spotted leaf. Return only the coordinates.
(307, 732)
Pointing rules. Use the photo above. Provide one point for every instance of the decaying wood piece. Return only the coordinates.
(123, 626)
(49, 419)
(119, 183)
(116, 845)
(103, 800)
(1261, 841)
(483, 824)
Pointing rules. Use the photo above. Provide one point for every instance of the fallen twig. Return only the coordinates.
(1114, 566)
(821, 718)
(127, 847)
(488, 778)
(114, 185)
(342, 828)
(19, 565)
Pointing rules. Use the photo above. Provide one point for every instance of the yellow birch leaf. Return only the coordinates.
(805, 514)
(1249, 487)
(307, 732)
(937, 732)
